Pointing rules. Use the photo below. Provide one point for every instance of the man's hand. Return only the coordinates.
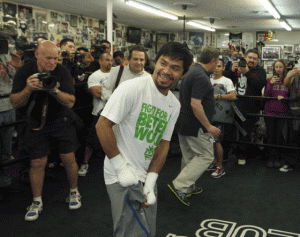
(125, 176)
(149, 189)
(235, 66)
(295, 71)
(33, 83)
(214, 131)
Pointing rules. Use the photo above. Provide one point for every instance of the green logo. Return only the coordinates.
(149, 152)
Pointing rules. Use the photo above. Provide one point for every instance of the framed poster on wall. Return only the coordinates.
(271, 53)
(161, 39)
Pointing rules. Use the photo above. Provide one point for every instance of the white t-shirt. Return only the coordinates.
(226, 82)
(109, 85)
(143, 116)
(96, 79)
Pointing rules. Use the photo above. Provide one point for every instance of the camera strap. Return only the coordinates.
(43, 116)
(119, 76)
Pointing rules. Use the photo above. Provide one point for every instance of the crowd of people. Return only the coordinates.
(134, 115)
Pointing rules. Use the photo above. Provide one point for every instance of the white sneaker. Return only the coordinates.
(286, 168)
(33, 211)
(74, 201)
(83, 170)
(241, 161)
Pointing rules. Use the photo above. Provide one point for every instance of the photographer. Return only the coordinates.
(249, 79)
(46, 100)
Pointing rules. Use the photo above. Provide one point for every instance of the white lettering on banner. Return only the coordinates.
(220, 228)
(244, 229)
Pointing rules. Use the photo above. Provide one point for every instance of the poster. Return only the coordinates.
(41, 22)
(196, 38)
(9, 9)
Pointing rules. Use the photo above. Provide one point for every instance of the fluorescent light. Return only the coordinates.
(270, 8)
(285, 25)
(151, 9)
(192, 23)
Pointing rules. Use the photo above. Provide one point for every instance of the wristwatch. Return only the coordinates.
(55, 92)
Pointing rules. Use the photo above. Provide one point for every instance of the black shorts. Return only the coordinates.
(92, 139)
(60, 135)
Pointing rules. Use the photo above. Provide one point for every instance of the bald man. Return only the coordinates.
(54, 128)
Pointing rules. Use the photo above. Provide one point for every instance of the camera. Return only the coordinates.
(65, 54)
(27, 47)
(48, 81)
(99, 49)
(242, 61)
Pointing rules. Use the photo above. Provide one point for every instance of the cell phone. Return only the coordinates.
(276, 74)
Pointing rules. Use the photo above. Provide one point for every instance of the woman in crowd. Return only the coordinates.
(276, 88)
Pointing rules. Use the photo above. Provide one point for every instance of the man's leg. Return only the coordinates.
(72, 172)
(37, 174)
(71, 168)
(202, 148)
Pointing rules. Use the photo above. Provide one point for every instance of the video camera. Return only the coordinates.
(99, 49)
(76, 66)
(48, 81)
(27, 47)
(3, 43)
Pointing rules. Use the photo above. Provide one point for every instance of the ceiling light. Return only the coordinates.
(151, 9)
(270, 8)
(285, 25)
(192, 23)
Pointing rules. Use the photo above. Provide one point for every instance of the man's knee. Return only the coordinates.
(39, 163)
(68, 158)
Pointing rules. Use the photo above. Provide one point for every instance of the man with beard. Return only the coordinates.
(135, 130)
(249, 81)
(196, 134)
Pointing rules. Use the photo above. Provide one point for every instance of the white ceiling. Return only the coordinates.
(230, 15)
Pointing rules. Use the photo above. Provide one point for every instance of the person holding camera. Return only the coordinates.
(43, 91)
(275, 88)
(249, 79)
(7, 113)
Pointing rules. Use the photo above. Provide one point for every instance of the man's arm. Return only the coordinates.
(96, 91)
(289, 78)
(63, 98)
(229, 96)
(200, 115)
(159, 157)
(107, 137)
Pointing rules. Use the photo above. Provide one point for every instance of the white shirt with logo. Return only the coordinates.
(96, 79)
(143, 116)
(226, 82)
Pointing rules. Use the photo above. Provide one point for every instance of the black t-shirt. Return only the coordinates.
(195, 85)
(55, 109)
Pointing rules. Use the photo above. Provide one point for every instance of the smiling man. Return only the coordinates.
(135, 130)
(135, 68)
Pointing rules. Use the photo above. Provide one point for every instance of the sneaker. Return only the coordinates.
(83, 170)
(196, 191)
(211, 167)
(74, 201)
(182, 197)
(218, 173)
(286, 168)
(241, 161)
(33, 211)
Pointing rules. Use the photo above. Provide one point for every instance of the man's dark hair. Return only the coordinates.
(105, 41)
(176, 51)
(40, 37)
(252, 51)
(65, 41)
(118, 54)
(136, 48)
(239, 48)
(83, 48)
(207, 54)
